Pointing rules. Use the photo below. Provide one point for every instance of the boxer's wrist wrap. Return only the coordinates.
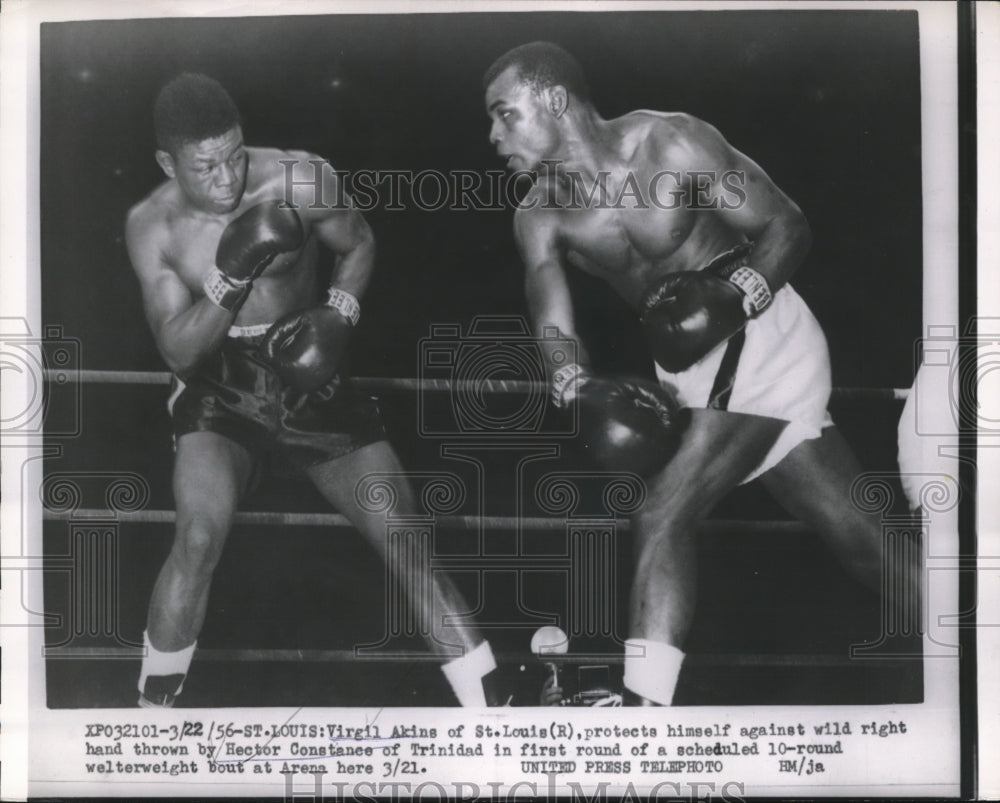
(346, 304)
(565, 383)
(224, 291)
(756, 293)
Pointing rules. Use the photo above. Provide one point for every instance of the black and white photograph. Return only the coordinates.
(369, 447)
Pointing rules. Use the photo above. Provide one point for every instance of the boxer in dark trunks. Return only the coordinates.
(701, 243)
(227, 265)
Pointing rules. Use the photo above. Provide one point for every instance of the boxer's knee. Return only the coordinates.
(663, 530)
(198, 544)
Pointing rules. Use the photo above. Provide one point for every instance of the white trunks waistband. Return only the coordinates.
(256, 330)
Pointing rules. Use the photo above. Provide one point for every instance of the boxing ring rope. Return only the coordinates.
(336, 520)
(265, 518)
(266, 655)
(101, 377)
(410, 384)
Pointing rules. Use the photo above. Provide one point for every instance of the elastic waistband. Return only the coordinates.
(256, 330)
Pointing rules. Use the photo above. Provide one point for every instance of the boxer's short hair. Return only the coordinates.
(191, 108)
(541, 65)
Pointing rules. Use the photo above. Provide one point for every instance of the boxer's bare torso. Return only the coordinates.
(654, 206)
(677, 196)
(182, 238)
(643, 214)
(173, 235)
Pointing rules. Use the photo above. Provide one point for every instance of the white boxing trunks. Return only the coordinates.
(783, 372)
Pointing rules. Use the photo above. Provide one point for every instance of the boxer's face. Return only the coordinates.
(523, 130)
(212, 173)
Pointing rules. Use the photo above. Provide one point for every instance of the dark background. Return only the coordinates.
(828, 103)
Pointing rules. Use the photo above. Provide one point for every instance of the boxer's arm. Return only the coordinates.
(186, 331)
(305, 347)
(550, 304)
(746, 198)
(335, 221)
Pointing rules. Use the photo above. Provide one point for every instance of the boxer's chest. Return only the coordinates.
(193, 251)
(635, 232)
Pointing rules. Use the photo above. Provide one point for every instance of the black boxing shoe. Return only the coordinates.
(630, 698)
(160, 691)
(496, 689)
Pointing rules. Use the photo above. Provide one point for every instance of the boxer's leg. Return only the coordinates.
(337, 480)
(716, 452)
(210, 474)
(813, 482)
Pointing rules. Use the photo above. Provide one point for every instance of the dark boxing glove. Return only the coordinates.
(305, 348)
(247, 246)
(686, 315)
(626, 425)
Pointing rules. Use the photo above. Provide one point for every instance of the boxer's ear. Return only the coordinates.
(558, 100)
(166, 163)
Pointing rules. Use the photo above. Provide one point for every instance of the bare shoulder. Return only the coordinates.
(669, 133)
(268, 167)
(147, 224)
(150, 210)
(646, 123)
(272, 162)
(307, 177)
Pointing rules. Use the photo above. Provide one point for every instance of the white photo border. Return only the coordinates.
(35, 737)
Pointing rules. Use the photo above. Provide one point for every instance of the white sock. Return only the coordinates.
(651, 669)
(466, 673)
(157, 662)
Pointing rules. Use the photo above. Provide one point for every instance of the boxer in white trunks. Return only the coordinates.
(701, 243)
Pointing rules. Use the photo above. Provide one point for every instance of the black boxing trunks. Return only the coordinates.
(236, 395)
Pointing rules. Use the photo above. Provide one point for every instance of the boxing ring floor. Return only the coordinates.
(297, 591)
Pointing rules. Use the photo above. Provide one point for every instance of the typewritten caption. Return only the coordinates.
(297, 752)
